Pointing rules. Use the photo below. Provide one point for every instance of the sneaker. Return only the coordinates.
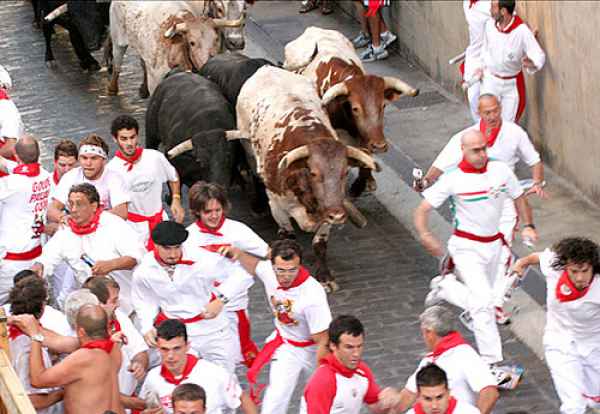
(362, 40)
(387, 38)
(501, 375)
(502, 317)
(374, 53)
(466, 319)
(433, 297)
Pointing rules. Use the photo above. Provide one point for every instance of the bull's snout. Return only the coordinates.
(378, 147)
(336, 215)
(233, 42)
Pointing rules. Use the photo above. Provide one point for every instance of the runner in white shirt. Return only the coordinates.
(343, 382)
(508, 46)
(109, 184)
(28, 296)
(23, 205)
(189, 399)
(469, 378)
(95, 242)
(11, 126)
(302, 317)
(167, 285)
(145, 171)
(506, 142)
(134, 362)
(572, 334)
(478, 189)
(434, 395)
(223, 392)
(477, 13)
(209, 205)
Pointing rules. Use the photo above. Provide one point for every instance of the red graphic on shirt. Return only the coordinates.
(282, 309)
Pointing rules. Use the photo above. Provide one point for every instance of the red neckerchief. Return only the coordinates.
(180, 261)
(451, 407)
(516, 22)
(374, 5)
(4, 95)
(301, 277)
(338, 367)
(466, 167)
(89, 228)
(215, 231)
(449, 341)
(491, 139)
(30, 170)
(189, 366)
(129, 161)
(215, 247)
(104, 344)
(566, 290)
(55, 177)
(114, 326)
(472, 3)
(13, 331)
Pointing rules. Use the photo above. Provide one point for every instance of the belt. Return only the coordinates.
(507, 77)
(152, 222)
(28, 255)
(161, 317)
(481, 239)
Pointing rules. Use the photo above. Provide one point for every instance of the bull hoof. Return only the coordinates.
(143, 91)
(112, 91)
(91, 66)
(51, 64)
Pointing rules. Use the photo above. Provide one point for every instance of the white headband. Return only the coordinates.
(92, 150)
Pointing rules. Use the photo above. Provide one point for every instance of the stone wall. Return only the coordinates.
(561, 116)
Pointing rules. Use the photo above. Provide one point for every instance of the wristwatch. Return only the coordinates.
(38, 337)
(531, 225)
(222, 298)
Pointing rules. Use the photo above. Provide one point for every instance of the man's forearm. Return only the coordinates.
(132, 403)
(58, 343)
(36, 364)
(122, 263)
(247, 405)
(524, 213)
(407, 399)
(41, 401)
(175, 187)
(248, 262)
(120, 210)
(537, 172)
(487, 399)
(432, 175)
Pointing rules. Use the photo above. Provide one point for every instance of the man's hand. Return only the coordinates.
(137, 369)
(528, 63)
(150, 338)
(119, 338)
(529, 234)
(158, 410)
(26, 323)
(177, 210)
(388, 398)
(519, 267)
(102, 268)
(230, 252)
(432, 244)
(213, 309)
(538, 189)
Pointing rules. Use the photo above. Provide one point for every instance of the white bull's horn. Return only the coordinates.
(356, 217)
(173, 30)
(339, 89)
(293, 156)
(230, 23)
(362, 157)
(180, 148)
(56, 13)
(234, 134)
(395, 83)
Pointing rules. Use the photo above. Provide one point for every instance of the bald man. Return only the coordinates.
(478, 188)
(23, 205)
(88, 375)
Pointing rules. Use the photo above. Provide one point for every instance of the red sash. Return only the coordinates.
(516, 22)
(14, 331)
(29, 170)
(451, 407)
(4, 95)
(247, 345)
(491, 139)
(104, 344)
(129, 161)
(566, 290)
(215, 232)
(187, 370)
(472, 3)
(466, 167)
(89, 228)
(55, 177)
(28, 255)
(180, 261)
(215, 247)
(114, 326)
(301, 277)
(452, 340)
(481, 239)
(374, 6)
(152, 222)
(264, 356)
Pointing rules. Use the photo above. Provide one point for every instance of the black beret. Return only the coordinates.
(169, 233)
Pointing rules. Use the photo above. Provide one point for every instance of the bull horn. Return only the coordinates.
(340, 89)
(56, 13)
(234, 134)
(397, 84)
(362, 157)
(173, 30)
(293, 156)
(230, 23)
(356, 217)
(180, 148)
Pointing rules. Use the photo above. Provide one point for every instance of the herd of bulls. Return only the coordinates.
(293, 130)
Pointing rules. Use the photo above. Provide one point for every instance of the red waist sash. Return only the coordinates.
(28, 255)
(152, 222)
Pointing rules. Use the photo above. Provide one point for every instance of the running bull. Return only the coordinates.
(355, 101)
(299, 157)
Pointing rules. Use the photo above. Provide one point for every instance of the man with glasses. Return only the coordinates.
(302, 317)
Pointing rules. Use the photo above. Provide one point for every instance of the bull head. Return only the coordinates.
(230, 16)
(199, 42)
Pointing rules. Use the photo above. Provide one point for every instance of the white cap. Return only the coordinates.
(5, 80)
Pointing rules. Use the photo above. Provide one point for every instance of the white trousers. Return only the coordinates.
(508, 221)
(217, 347)
(287, 364)
(8, 270)
(576, 377)
(476, 264)
(506, 91)
(473, 97)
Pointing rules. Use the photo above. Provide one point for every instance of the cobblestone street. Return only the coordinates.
(382, 271)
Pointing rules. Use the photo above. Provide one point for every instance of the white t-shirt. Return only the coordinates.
(476, 15)
(11, 125)
(232, 233)
(299, 312)
(512, 144)
(112, 239)
(460, 408)
(135, 345)
(23, 202)
(110, 186)
(145, 180)
(222, 389)
(467, 373)
(573, 321)
(477, 199)
(502, 52)
(188, 292)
